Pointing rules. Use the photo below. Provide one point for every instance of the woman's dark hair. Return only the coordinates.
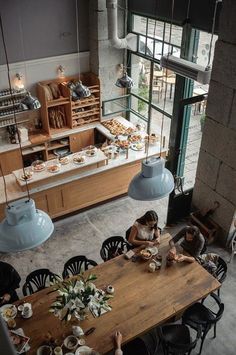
(149, 216)
(193, 230)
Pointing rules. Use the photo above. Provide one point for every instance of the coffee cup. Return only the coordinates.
(110, 289)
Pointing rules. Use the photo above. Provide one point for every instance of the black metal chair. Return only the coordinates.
(136, 346)
(76, 265)
(113, 247)
(38, 280)
(176, 339)
(199, 314)
(221, 272)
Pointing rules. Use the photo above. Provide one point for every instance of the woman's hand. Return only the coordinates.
(118, 339)
(6, 297)
(149, 244)
(172, 252)
(157, 241)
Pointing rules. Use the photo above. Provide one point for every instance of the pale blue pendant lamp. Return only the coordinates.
(24, 227)
(153, 182)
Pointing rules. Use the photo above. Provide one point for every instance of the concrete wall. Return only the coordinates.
(103, 57)
(39, 29)
(216, 173)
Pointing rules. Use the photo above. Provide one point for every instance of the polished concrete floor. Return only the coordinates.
(83, 234)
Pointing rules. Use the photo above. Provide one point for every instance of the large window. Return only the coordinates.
(152, 96)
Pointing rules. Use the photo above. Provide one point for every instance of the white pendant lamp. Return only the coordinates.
(24, 227)
(153, 182)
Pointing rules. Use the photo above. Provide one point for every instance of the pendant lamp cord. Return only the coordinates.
(212, 34)
(77, 33)
(13, 100)
(5, 186)
(166, 77)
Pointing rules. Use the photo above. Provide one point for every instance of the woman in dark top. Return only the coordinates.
(9, 282)
(192, 241)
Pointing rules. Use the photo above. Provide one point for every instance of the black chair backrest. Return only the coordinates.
(217, 316)
(113, 247)
(76, 265)
(176, 339)
(221, 271)
(37, 280)
(204, 249)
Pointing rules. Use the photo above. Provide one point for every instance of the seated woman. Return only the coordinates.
(192, 241)
(145, 230)
(9, 282)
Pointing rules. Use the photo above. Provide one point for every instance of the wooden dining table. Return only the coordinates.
(142, 300)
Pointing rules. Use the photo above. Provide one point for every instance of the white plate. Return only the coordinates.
(22, 179)
(5, 307)
(134, 147)
(82, 350)
(79, 163)
(153, 250)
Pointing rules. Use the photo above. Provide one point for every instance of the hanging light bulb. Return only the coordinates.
(18, 82)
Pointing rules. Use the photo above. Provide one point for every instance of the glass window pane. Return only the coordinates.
(140, 73)
(176, 34)
(163, 86)
(136, 120)
(146, 46)
(116, 105)
(156, 123)
(139, 106)
(139, 24)
(155, 29)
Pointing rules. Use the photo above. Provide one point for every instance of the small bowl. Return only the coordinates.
(71, 342)
(44, 350)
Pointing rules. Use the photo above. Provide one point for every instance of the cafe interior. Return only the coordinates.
(117, 177)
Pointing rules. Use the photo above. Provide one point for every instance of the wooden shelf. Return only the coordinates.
(83, 114)
(52, 156)
(85, 122)
(57, 145)
(58, 102)
(58, 130)
(31, 150)
(86, 103)
(67, 107)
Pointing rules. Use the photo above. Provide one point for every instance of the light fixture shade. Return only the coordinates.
(82, 90)
(125, 82)
(31, 102)
(153, 183)
(24, 227)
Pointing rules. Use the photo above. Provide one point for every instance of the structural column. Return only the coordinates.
(103, 57)
(216, 173)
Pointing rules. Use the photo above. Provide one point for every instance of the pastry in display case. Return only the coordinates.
(53, 166)
(38, 165)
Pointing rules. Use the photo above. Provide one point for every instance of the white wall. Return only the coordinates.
(37, 70)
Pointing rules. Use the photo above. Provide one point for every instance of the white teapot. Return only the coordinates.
(77, 331)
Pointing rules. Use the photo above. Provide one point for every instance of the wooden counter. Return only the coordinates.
(81, 190)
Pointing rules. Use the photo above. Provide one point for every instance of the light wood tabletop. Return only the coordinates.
(141, 301)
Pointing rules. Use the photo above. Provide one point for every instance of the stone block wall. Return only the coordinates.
(216, 172)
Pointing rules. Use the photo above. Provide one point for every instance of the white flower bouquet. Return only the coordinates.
(76, 296)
